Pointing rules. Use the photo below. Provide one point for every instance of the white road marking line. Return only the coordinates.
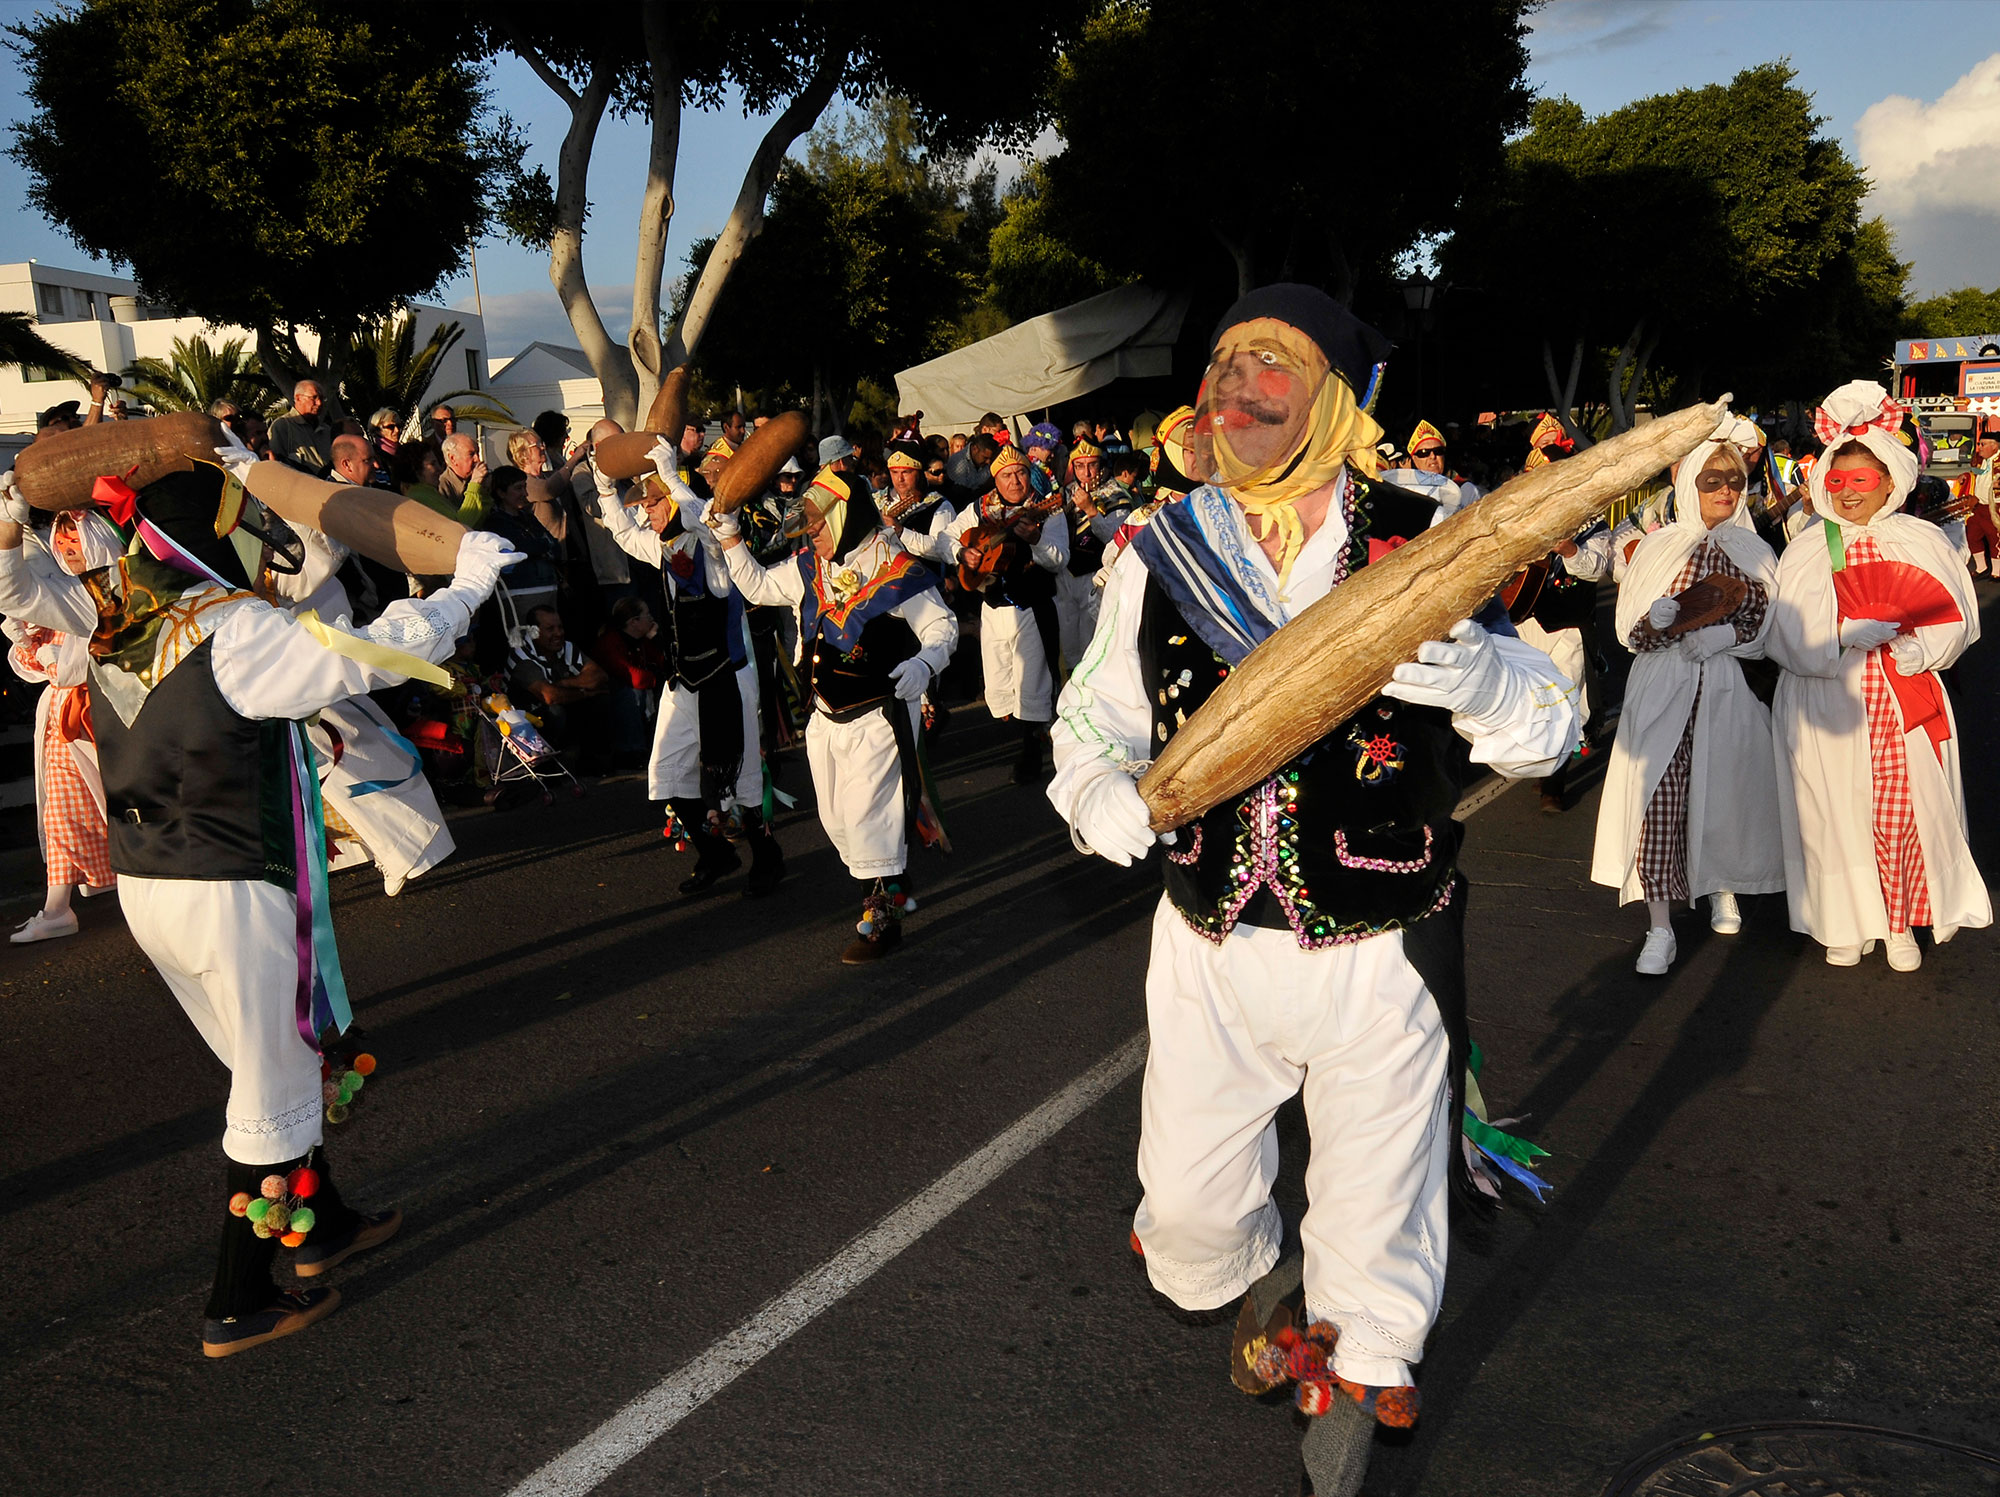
(628, 1432)
(1481, 796)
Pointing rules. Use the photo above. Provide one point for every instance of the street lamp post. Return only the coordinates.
(1419, 295)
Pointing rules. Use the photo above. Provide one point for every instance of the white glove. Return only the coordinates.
(723, 522)
(482, 557)
(1908, 654)
(1112, 819)
(1663, 612)
(912, 678)
(1465, 674)
(1699, 644)
(12, 505)
(665, 459)
(234, 456)
(1865, 634)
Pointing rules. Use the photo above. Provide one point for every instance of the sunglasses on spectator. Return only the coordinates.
(1710, 483)
(1860, 480)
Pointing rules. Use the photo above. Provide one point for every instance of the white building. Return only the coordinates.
(101, 320)
(545, 377)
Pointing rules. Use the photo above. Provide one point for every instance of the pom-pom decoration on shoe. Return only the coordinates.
(304, 1219)
(1396, 1407)
(256, 1209)
(365, 1064)
(303, 1183)
(239, 1204)
(273, 1186)
(292, 1239)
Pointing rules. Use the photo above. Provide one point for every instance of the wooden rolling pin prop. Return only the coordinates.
(758, 460)
(1329, 662)
(629, 454)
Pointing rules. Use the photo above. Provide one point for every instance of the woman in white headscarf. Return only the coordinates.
(1869, 790)
(1690, 798)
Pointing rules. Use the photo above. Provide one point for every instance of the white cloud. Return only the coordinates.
(1565, 29)
(514, 319)
(1932, 166)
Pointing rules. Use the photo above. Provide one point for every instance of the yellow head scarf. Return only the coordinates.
(1334, 434)
(827, 494)
(1425, 432)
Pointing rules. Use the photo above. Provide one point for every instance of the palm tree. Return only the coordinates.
(197, 374)
(385, 368)
(21, 344)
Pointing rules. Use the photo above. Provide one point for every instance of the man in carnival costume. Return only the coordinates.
(708, 715)
(1426, 473)
(199, 695)
(1312, 931)
(1009, 546)
(878, 634)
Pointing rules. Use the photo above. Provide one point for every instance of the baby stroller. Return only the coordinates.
(515, 752)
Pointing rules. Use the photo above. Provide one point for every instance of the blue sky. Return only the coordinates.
(1929, 70)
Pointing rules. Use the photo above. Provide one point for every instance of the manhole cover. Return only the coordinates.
(1810, 1458)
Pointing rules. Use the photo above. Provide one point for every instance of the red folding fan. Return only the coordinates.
(1894, 592)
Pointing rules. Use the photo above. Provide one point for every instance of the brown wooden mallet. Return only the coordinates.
(629, 453)
(1329, 662)
(758, 460)
(59, 471)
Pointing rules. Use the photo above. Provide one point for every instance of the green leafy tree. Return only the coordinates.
(197, 373)
(1710, 234)
(268, 163)
(1218, 146)
(872, 258)
(790, 60)
(22, 346)
(383, 368)
(1033, 266)
(1964, 313)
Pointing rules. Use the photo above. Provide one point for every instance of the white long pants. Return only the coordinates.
(1076, 614)
(858, 781)
(1236, 1030)
(228, 951)
(675, 770)
(1017, 668)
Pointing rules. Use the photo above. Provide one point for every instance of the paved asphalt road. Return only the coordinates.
(621, 1122)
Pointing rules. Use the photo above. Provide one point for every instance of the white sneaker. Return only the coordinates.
(1723, 916)
(1904, 954)
(1658, 953)
(1848, 956)
(43, 926)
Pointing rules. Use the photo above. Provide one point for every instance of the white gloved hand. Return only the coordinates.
(1865, 634)
(665, 460)
(482, 557)
(1908, 654)
(723, 522)
(1464, 674)
(12, 505)
(1663, 612)
(1700, 644)
(1112, 819)
(912, 678)
(234, 456)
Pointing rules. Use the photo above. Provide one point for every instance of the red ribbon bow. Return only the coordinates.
(116, 495)
(1889, 419)
(1379, 549)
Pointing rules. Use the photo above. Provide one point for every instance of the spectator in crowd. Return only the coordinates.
(441, 423)
(353, 461)
(735, 427)
(304, 439)
(385, 430)
(610, 572)
(418, 468)
(968, 474)
(57, 418)
(553, 428)
(568, 690)
(531, 583)
(630, 652)
(462, 465)
(689, 445)
(956, 445)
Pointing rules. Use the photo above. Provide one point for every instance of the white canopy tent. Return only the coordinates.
(1121, 334)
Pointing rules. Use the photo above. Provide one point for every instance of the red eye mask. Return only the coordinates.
(1856, 480)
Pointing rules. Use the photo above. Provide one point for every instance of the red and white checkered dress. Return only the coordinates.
(73, 831)
(1899, 856)
(1663, 841)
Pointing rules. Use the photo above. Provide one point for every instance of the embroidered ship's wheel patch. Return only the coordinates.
(1810, 1458)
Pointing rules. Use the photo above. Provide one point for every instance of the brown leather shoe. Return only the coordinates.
(873, 948)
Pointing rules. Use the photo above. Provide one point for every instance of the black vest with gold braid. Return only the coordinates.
(1351, 838)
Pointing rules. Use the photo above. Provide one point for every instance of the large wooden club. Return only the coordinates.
(629, 453)
(1331, 660)
(59, 472)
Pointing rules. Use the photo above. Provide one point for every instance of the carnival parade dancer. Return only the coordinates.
(1311, 934)
(69, 792)
(1871, 605)
(1076, 583)
(198, 694)
(1013, 546)
(878, 633)
(1690, 802)
(708, 716)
